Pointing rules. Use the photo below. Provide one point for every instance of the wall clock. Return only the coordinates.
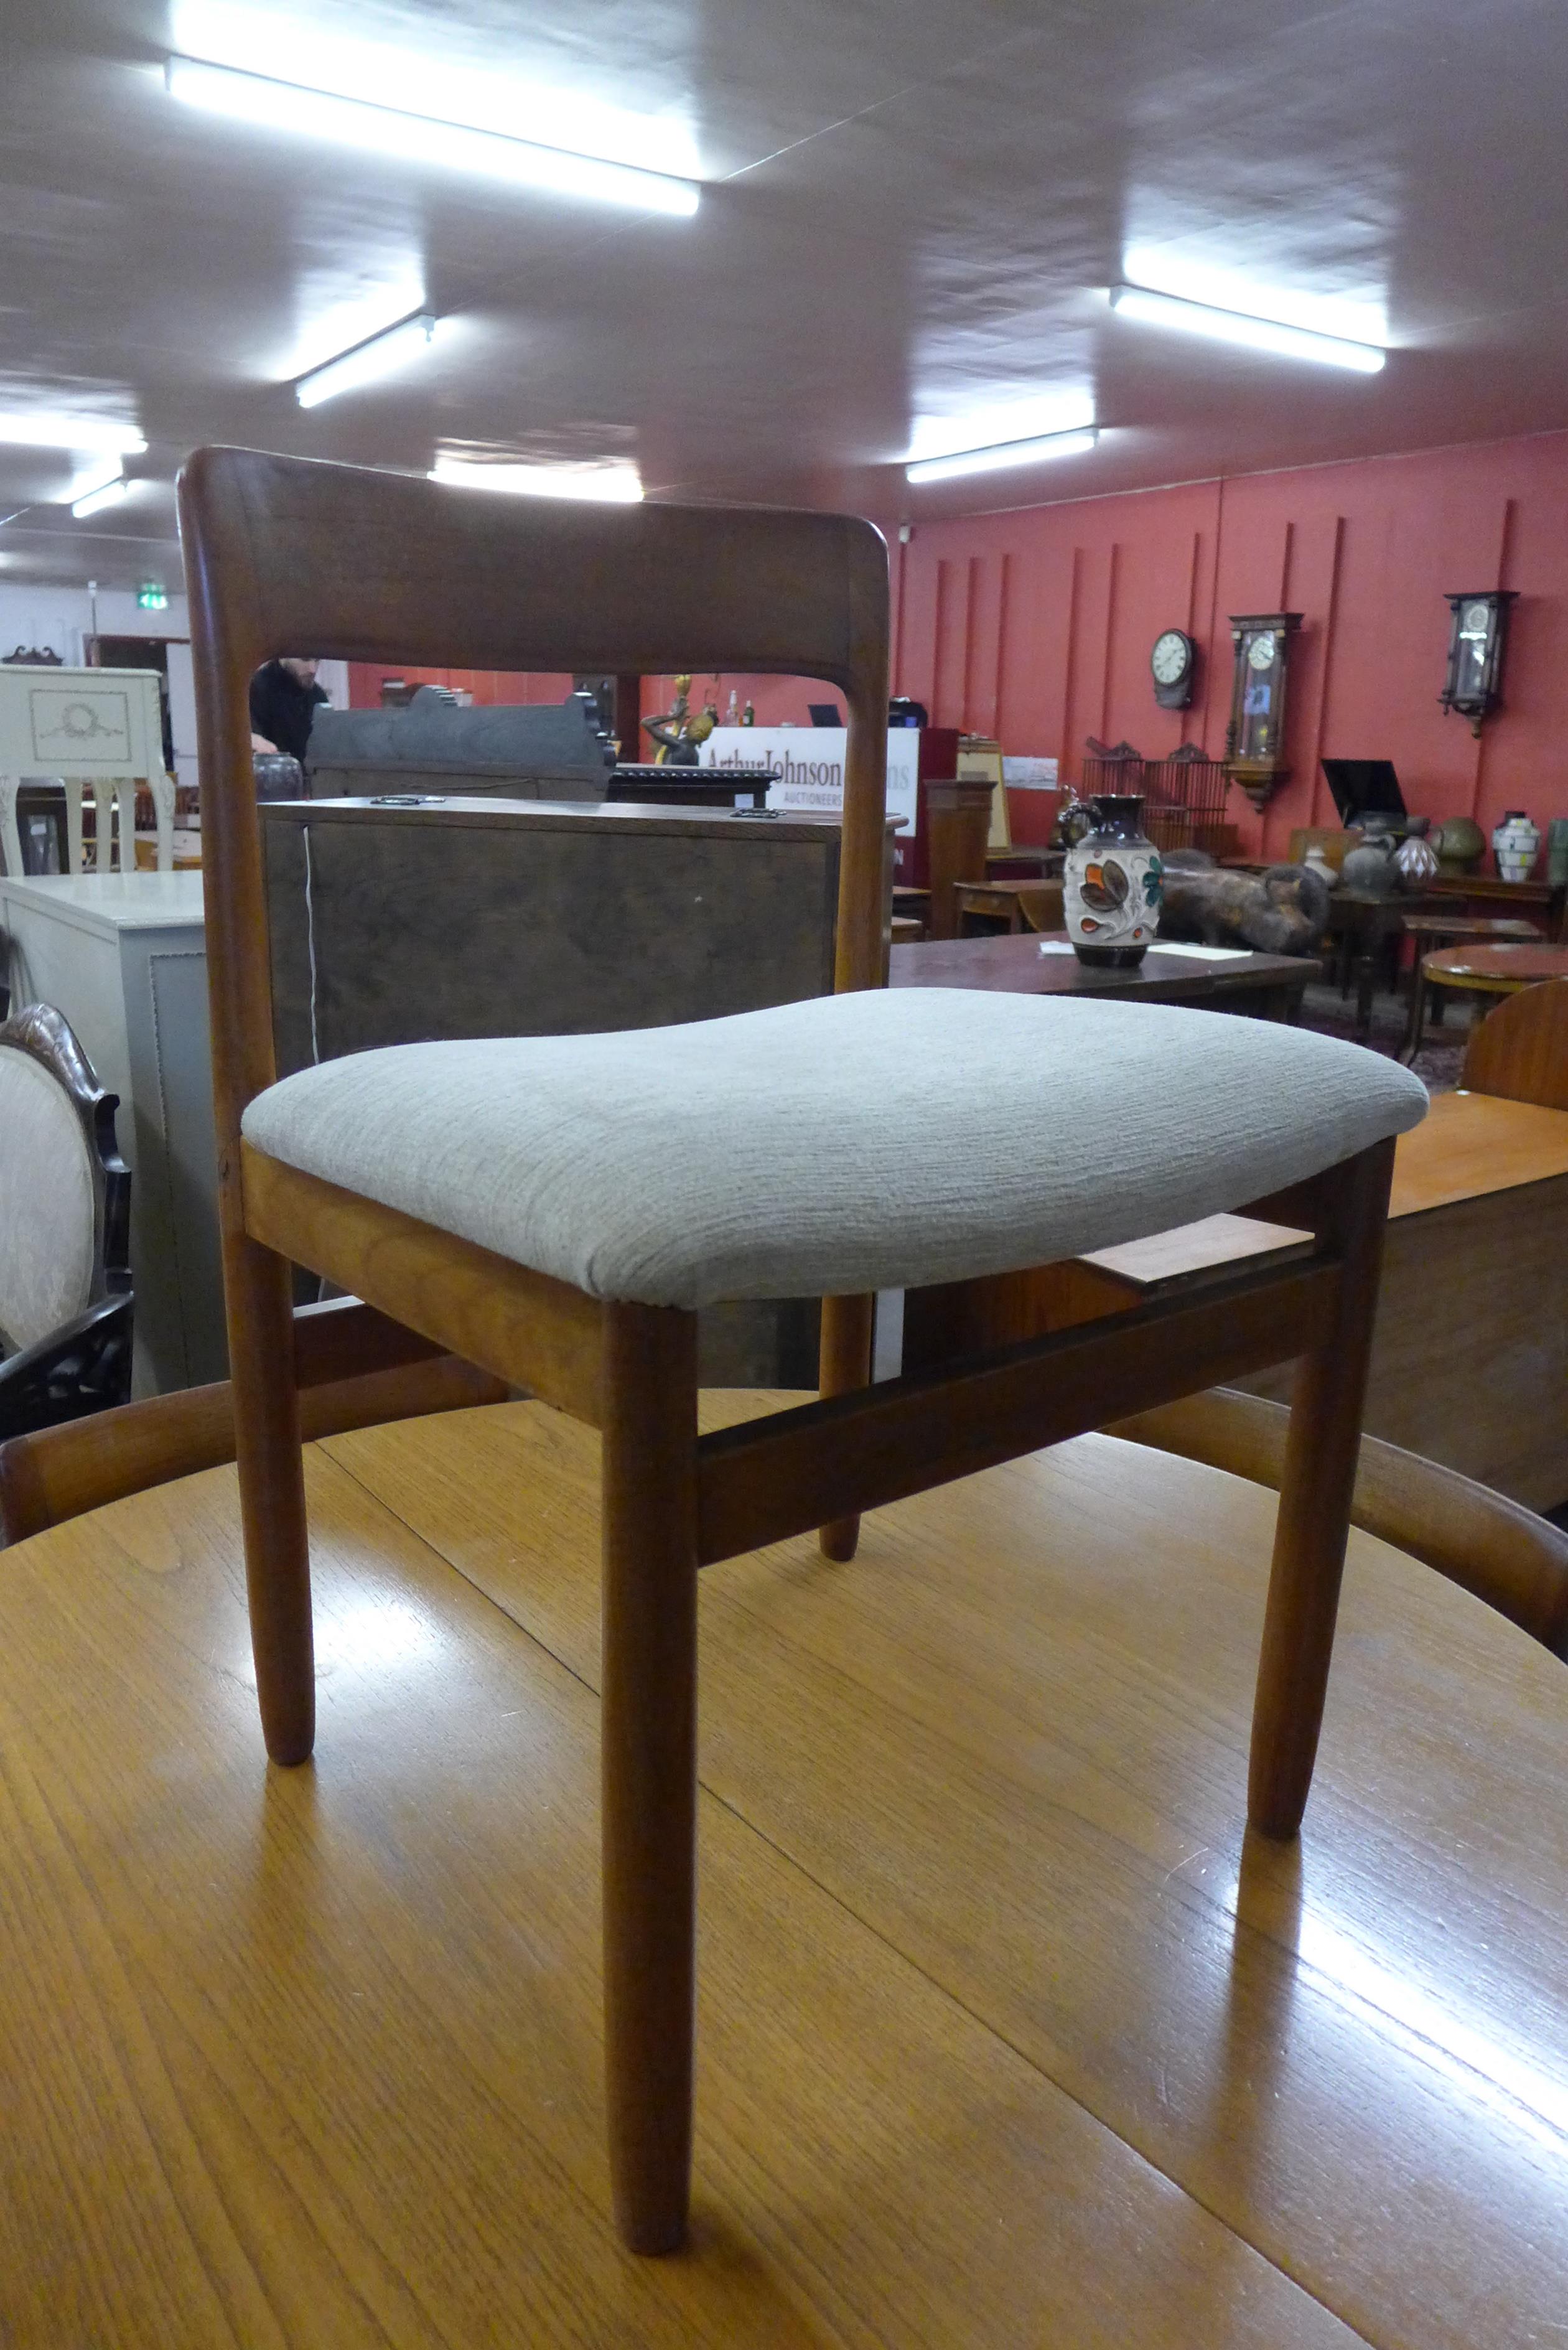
(1477, 637)
(1173, 662)
(1255, 738)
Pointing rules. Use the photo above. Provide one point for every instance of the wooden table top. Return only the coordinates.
(1016, 966)
(1007, 2037)
(1467, 1146)
(1519, 966)
(1471, 926)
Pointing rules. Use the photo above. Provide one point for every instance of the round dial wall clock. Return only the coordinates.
(1261, 652)
(1172, 662)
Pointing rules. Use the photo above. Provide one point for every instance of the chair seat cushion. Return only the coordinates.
(852, 1142)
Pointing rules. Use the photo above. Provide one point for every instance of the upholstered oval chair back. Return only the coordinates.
(59, 1202)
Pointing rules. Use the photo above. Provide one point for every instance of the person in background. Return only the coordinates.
(284, 697)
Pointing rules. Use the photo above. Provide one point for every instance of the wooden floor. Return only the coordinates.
(1006, 2038)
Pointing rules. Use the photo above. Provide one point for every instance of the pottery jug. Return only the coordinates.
(1111, 885)
(1514, 844)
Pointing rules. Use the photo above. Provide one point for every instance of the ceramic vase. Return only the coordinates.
(1415, 861)
(1111, 885)
(1460, 844)
(1317, 862)
(1514, 844)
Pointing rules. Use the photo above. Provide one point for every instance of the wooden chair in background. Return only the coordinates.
(1494, 1548)
(995, 1169)
(1520, 1051)
(59, 1472)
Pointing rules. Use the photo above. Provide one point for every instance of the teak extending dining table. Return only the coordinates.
(1008, 2035)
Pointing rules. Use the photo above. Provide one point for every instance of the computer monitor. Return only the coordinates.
(825, 713)
(1363, 787)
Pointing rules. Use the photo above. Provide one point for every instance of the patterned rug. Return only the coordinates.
(1442, 1050)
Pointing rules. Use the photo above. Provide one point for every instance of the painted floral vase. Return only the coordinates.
(1111, 885)
(1514, 844)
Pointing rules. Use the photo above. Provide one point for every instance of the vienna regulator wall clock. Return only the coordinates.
(1255, 738)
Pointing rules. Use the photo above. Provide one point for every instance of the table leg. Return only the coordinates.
(1366, 982)
(1413, 1027)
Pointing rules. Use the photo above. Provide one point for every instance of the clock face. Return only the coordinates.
(1170, 657)
(1261, 652)
(1474, 621)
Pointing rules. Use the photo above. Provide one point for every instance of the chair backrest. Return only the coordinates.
(285, 556)
(65, 1192)
(1492, 1548)
(1520, 1050)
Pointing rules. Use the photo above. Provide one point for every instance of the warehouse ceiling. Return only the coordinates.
(910, 213)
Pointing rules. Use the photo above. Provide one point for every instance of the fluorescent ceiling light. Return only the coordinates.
(92, 434)
(367, 362)
(606, 485)
(1003, 454)
(276, 104)
(1148, 310)
(1000, 423)
(108, 493)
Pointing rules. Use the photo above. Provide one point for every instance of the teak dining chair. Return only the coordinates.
(555, 1209)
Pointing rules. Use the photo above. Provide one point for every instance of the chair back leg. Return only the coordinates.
(649, 1763)
(1316, 1493)
(845, 1364)
(271, 1493)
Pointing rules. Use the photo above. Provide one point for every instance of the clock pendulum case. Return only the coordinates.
(1255, 738)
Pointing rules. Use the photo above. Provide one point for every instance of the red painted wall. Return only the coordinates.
(1036, 625)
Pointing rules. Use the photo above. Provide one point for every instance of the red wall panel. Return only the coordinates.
(1038, 624)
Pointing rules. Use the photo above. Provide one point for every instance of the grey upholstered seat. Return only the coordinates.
(854, 1142)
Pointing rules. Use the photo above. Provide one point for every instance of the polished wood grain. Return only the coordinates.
(1315, 1486)
(519, 1325)
(649, 1764)
(1470, 1144)
(1011, 1739)
(1494, 969)
(1016, 966)
(1470, 1358)
(1520, 1051)
(81, 1464)
(307, 2061)
(1489, 1546)
(810, 1466)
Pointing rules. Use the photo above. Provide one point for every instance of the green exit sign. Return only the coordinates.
(150, 598)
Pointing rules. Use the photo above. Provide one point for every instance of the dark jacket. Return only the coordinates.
(281, 709)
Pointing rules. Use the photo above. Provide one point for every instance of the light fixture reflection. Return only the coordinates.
(274, 103)
(367, 362)
(99, 501)
(1003, 454)
(605, 484)
(1170, 310)
(1491, 2074)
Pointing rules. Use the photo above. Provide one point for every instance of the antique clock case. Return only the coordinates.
(1478, 637)
(1255, 738)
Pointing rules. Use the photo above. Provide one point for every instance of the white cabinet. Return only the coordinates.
(124, 957)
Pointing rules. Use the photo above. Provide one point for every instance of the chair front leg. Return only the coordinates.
(1315, 1493)
(257, 1283)
(649, 1763)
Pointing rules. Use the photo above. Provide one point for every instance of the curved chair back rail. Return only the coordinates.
(1492, 1548)
(1520, 1050)
(62, 1471)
